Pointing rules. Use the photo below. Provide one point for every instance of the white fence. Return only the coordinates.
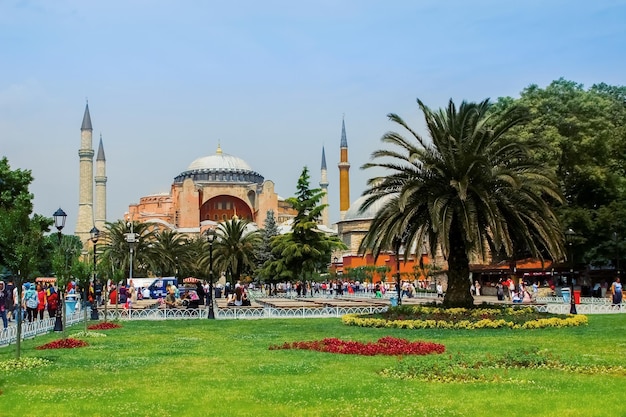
(555, 305)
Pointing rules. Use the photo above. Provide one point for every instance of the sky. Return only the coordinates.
(271, 81)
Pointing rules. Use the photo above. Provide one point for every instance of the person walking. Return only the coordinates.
(41, 301)
(617, 292)
(31, 301)
(3, 302)
(53, 301)
(10, 300)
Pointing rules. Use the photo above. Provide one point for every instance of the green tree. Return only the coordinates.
(305, 250)
(471, 189)
(167, 248)
(82, 271)
(116, 251)
(22, 242)
(236, 247)
(264, 253)
(584, 137)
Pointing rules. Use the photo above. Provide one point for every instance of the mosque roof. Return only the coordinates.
(220, 160)
(354, 213)
(220, 167)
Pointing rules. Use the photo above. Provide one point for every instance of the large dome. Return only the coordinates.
(220, 167)
(219, 161)
(354, 212)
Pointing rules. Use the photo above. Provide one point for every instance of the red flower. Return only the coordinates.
(68, 343)
(104, 326)
(390, 346)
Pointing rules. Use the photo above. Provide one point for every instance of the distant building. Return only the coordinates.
(213, 189)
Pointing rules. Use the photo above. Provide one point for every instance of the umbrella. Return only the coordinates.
(191, 280)
(46, 279)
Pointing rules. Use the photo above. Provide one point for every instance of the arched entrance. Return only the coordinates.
(224, 207)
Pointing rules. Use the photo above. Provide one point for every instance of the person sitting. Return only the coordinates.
(230, 300)
(170, 300)
(193, 300)
(516, 297)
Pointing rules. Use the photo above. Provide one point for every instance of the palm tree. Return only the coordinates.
(470, 190)
(116, 252)
(167, 248)
(236, 247)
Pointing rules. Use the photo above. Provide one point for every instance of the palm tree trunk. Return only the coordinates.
(458, 293)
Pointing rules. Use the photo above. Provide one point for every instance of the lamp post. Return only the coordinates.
(569, 239)
(95, 234)
(397, 243)
(616, 238)
(59, 223)
(131, 239)
(210, 237)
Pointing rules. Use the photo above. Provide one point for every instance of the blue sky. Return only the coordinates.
(271, 81)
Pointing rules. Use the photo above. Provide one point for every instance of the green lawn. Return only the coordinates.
(224, 368)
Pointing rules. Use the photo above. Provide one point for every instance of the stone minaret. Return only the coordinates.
(84, 221)
(101, 188)
(344, 174)
(324, 187)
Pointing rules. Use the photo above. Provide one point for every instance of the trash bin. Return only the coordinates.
(218, 293)
(70, 306)
(394, 302)
(577, 296)
(566, 295)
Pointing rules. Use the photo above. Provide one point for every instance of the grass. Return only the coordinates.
(224, 368)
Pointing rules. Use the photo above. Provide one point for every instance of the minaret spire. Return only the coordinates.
(101, 193)
(344, 173)
(324, 187)
(84, 220)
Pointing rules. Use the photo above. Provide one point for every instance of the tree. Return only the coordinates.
(22, 241)
(81, 271)
(584, 137)
(470, 190)
(235, 249)
(167, 248)
(116, 252)
(305, 250)
(264, 252)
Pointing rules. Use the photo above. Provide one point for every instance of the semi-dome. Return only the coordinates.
(220, 167)
(354, 212)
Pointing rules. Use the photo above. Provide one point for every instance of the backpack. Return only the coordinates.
(32, 301)
(53, 302)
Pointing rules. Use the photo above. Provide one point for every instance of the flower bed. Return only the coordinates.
(104, 326)
(420, 317)
(390, 346)
(68, 343)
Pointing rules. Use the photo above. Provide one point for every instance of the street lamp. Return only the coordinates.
(398, 241)
(95, 234)
(131, 239)
(59, 223)
(616, 238)
(210, 237)
(569, 239)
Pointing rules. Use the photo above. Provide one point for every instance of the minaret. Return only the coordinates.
(101, 188)
(324, 187)
(84, 221)
(344, 174)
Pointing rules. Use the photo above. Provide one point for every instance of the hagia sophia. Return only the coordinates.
(215, 188)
